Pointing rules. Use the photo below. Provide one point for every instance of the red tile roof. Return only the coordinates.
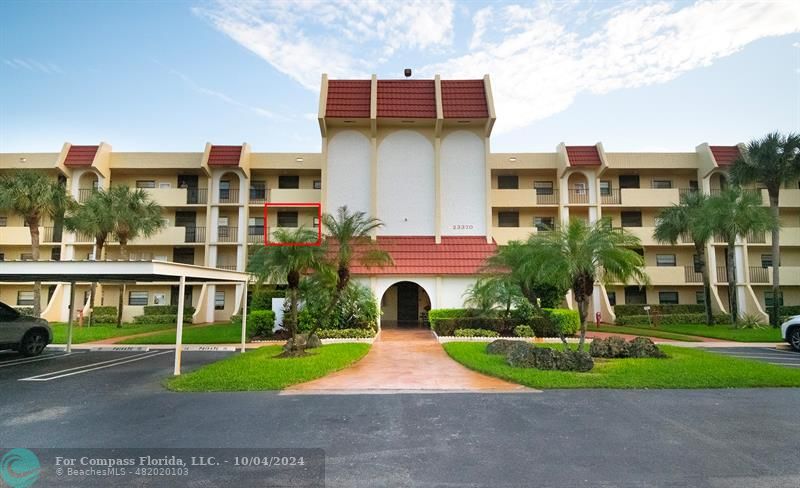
(725, 155)
(464, 99)
(348, 98)
(583, 156)
(80, 155)
(407, 98)
(224, 155)
(420, 255)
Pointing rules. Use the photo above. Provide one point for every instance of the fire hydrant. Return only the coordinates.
(597, 317)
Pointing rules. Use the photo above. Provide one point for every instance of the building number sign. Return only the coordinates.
(462, 227)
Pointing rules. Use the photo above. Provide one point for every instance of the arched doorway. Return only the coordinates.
(404, 304)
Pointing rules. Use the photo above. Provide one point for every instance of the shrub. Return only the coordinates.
(675, 319)
(104, 318)
(568, 321)
(24, 310)
(357, 308)
(260, 323)
(446, 327)
(105, 311)
(523, 331)
(502, 346)
(751, 322)
(626, 310)
(643, 347)
(236, 319)
(345, 333)
(262, 298)
(530, 356)
(616, 347)
(159, 319)
(438, 314)
(476, 333)
(164, 310)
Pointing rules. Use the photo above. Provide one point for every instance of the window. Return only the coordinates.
(3, 221)
(768, 299)
(139, 298)
(508, 219)
(668, 297)
(631, 219)
(766, 260)
(219, 300)
(629, 181)
(612, 298)
(316, 221)
(662, 184)
(698, 268)
(55, 254)
(25, 298)
(666, 260)
(287, 219)
(507, 182)
(580, 188)
(635, 295)
(164, 184)
(26, 256)
(258, 190)
(289, 181)
(693, 185)
(543, 223)
(145, 184)
(2, 256)
(317, 184)
(605, 188)
(700, 297)
(224, 189)
(543, 187)
(255, 226)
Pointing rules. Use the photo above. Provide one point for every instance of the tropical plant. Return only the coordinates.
(576, 256)
(492, 294)
(357, 308)
(135, 215)
(771, 161)
(33, 195)
(736, 213)
(288, 263)
(513, 264)
(690, 219)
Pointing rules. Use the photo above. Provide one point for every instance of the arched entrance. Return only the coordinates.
(405, 304)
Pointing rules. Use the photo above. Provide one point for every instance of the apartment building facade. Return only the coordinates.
(416, 154)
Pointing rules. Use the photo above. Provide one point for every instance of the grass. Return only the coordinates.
(259, 369)
(208, 334)
(650, 332)
(724, 332)
(684, 368)
(99, 332)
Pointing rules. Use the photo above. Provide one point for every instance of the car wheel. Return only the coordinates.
(794, 338)
(33, 343)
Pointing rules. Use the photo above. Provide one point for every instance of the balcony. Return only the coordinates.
(610, 196)
(790, 236)
(259, 196)
(50, 234)
(227, 234)
(228, 196)
(649, 197)
(759, 274)
(196, 196)
(284, 195)
(666, 275)
(690, 275)
(722, 274)
(16, 236)
(255, 234)
(787, 198)
(578, 196)
(195, 235)
(503, 235)
(514, 198)
(226, 267)
(790, 275)
(85, 193)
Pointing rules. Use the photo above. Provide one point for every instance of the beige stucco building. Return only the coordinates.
(416, 154)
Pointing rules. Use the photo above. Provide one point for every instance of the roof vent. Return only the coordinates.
(407, 72)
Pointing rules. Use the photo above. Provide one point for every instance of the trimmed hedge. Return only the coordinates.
(105, 318)
(160, 319)
(262, 299)
(523, 331)
(476, 333)
(438, 314)
(627, 310)
(260, 323)
(446, 321)
(569, 321)
(674, 319)
(105, 311)
(345, 333)
(446, 327)
(164, 310)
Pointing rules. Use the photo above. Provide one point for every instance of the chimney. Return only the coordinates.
(407, 72)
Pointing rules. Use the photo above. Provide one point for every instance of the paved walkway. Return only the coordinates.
(405, 360)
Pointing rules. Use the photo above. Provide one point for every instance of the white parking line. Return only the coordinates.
(790, 353)
(92, 367)
(14, 362)
(760, 356)
(794, 365)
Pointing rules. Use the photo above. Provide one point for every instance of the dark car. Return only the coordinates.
(25, 334)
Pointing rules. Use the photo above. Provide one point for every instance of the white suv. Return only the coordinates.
(790, 332)
(28, 335)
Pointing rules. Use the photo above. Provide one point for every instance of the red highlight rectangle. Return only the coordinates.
(293, 205)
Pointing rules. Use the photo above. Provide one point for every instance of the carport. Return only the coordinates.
(117, 272)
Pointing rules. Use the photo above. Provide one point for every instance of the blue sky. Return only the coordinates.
(169, 76)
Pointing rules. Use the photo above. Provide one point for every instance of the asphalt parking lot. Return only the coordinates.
(778, 356)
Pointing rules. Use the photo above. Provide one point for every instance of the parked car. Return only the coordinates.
(790, 331)
(23, 333)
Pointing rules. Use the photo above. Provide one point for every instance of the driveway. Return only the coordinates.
(773, 355)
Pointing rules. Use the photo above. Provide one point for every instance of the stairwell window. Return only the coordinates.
(700, 298)
(145, 184)
(317, 184)
(138, 298)
(219, 300)
(666, 260)
(3, 221)
(668, 297)
(768, 299)
(766, 260)
(662, 184)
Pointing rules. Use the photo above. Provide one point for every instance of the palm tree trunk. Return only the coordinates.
(701, 257)
(33, 227)
(293, 311)
(98, 250)
(582, 311)
(123, 251)
(775, 311)
(731, 270)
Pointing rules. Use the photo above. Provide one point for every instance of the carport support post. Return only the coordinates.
(71, 315)
(244, 315)
(179, 332)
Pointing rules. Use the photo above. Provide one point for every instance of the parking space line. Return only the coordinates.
(759, 356)
(781, 351)
(794, 365)
(92, 367)
(14, 362)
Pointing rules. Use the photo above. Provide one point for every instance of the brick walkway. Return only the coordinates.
(405, 360)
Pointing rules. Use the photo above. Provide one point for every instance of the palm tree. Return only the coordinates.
(489, 294)
(344, 232)
(771, 161)
(690, 219)
(736, 213)
(95, 218)
(33, 195)
(288, 262)
(576, 256)
(135, 215)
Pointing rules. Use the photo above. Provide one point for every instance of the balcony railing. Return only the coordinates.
(85, 193)
(687, 191)
(578, 195)
(51, 234)
(227, 234)
(756, 238)
(195, 234)
(230, 195)
(722, 274)
(686, 239)
(691, 275)
(227, 267)
(546, 196)
(759, 274)
(610, 196)
(255, 234)
(196, 196)
(259, 195)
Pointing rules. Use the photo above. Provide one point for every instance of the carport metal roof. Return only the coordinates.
(125, 271)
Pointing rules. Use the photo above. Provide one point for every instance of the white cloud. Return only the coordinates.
(33, 65)
(262, 112)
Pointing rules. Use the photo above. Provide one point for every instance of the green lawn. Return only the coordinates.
(209, 334)
(650, 332)
(725, 332)
(259, 369)
(685, 368)
(99, 332)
